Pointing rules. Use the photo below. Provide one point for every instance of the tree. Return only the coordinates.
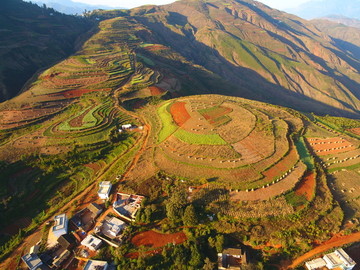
(175, 204)
(219, 245)
(208, 265)
(190, 217)
(195, 256)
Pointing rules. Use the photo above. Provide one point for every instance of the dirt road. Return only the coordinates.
(336, 241)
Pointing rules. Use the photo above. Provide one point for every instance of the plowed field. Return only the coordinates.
(179, 113)
(155, 240)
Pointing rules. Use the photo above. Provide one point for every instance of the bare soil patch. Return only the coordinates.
(355, 131)
(156, 91)
(306, 186)
(179, 113)
(155, 240)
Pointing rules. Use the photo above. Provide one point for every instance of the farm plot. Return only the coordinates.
(179, 113)
(346, 185)
(217, 116)
(154, 239)
(272, 190)
(17, 118)
(343, 160)
(307, 186)
(323, 147)
(355, 131)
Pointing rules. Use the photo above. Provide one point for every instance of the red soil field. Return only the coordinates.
(306, 186)
(155, 240)
(217, 112)
(94, 166)
(283, 166)
(179, 113)
(78, 121)
(355, 131)
(156, 47)
(156, 91)
(323, 147)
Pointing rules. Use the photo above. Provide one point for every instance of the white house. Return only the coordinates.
(104, 190)
(112, 226)
(32, 261)
(96, 265)
(127, 126)
(91, 242)
(61, 225)
(338, 259)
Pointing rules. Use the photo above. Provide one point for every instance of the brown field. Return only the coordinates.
(284, 165)
(16, 118)
(156, 47)
(355, 131)
(74, 93)
(78, 121)
(329, 146)
(179, 113)
(307, 186)
(156, 91)
(155, 240)
(273, 190)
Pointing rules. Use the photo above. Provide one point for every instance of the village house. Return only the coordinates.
(338, 259)
(67, 241)
(231, 258)
(61, 258)
(126, 205)
(96, 265)
(91, 242)
(112, 227)
(32, 261)
(104, 190)
(95, 209)
(61, 225)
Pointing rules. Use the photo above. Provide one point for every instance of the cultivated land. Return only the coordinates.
(211, 166)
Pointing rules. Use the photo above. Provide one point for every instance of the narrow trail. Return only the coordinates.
(336, 241)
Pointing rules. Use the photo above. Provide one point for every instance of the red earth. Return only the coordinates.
(155, 240)
(307, 186)
(323, 147)
(156, 91)
(283, 166)
(179, 113)
(355, 131)
(215, 113)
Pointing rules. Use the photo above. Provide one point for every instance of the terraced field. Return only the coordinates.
(229, 141)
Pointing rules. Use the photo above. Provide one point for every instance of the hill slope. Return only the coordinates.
(316, 9)
(33, 38)
(263, 53)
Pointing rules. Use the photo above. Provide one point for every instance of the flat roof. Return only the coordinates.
(95, 265)
(91, 240)
(60, 222)
(333, 258)
(314, 264)
(345, 257)
(31, 260)
(105, 183)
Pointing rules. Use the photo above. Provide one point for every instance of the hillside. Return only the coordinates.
(153, 102)
(262, 53)
(70, 7)
(33, 38)
(346, 37)
(343, 20)
(316, 9)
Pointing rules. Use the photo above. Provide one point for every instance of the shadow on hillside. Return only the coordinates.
(233, 80)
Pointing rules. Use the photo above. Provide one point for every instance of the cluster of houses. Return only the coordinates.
(80, 236)
(338, 259)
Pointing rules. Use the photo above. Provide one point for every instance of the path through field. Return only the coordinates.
(336, 241)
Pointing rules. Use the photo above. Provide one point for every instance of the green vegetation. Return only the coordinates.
(168, 126)
(304, 153)
(193, 138)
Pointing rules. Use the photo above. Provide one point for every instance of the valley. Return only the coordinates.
(230, 139)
